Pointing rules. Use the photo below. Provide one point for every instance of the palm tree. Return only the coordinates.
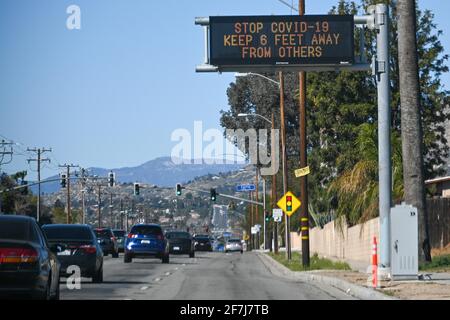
(411, 120)
(357, 188)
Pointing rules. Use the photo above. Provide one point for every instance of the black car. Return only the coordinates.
(107, 241)
(202, 243)
(29, 267)
(181, 242)
(81, 249)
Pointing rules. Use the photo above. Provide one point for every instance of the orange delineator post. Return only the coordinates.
(374, 263)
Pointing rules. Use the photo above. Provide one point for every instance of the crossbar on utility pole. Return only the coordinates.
(38, 160)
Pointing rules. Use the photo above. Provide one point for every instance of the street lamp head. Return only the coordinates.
(243, 115)
(241, 74)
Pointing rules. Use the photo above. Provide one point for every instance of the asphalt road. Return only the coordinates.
(208, 276)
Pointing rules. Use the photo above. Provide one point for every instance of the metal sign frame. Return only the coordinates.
(377, 18)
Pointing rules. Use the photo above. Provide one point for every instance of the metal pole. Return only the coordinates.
(256, 219)
(83, 205)
(69, 218)
(111, 209)
(384, 130)
(304, 215)
(264, 214)
(99, 201)
(283, 156)
(38, 160)
(274, 192)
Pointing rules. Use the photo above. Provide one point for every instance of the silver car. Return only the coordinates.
(234, 245)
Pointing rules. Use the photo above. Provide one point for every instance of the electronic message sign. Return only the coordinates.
(282, 40)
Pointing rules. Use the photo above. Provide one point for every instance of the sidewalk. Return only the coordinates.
(429, 286)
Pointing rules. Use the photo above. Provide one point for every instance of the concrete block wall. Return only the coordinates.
(351, 244)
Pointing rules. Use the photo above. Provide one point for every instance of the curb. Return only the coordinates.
(356, 291)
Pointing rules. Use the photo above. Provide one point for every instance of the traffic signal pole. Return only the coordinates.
(304, 214)
(69, 213)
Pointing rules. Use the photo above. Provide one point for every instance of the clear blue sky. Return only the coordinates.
(110, 94)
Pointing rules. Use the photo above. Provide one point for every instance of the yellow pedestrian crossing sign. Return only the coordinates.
(289, 204)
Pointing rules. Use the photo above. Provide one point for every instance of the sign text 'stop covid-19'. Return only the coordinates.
(282, 40)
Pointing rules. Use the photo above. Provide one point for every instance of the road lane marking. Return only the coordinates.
(167, 273)
(158, 279)
(144, 288)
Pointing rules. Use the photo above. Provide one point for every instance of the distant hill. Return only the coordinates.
(160, 171)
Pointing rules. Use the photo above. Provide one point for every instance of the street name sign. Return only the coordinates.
(282, 40)
(302, 172)
(289, 204)
(245, 187)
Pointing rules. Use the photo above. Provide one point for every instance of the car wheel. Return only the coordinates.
(165, 258)
(192, 254)
(127, 258)
(115, 254)
(98, 277)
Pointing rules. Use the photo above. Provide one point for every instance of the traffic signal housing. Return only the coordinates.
(268, 217)
(136, 189)
(112, 178)
(213, 194)
(63, 180)
(179, 189)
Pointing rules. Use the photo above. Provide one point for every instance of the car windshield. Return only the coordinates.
(146, 230)
(119, 233)
(200, 238)
(178, 235)
(234, 241)
(103, 233)
(15, 230)
(67, 233)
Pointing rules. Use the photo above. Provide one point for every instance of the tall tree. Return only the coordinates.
(413, 173)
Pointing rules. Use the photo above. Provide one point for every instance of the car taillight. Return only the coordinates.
(113, 239)
(160, 237)
(89, 249)
(130, 235)
(18, 255)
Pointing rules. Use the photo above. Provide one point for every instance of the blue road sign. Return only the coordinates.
(246, 187)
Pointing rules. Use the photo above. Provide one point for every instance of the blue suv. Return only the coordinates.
(146, 241)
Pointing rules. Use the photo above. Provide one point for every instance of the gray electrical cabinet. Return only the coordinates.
(404, 243)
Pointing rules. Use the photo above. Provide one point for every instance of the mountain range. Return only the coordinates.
(161, 171)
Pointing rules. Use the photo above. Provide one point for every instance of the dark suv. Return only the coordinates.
(107, 241)
(181, 242)
(203, 243)
(146, 241)
(81, 249)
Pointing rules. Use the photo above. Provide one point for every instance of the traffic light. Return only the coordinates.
(63, 180)
(136, 189)
(112, 178)
(213, 194)
(267, 217)
(288, 203)
(179, 189)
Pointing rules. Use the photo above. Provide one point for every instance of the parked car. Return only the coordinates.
(107, 241)
(234, 245)
(81, 249)
(121, 238)
(181, 242)
(29, 267)
(146, 241)
(202, 243)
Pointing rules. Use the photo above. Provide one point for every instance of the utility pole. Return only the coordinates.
(256, 199)
(304, 214)
(83, 192)
(111, 209)
(39, 159)
(283, 157)
(121, 213)
(68, 166)
(274, 194)
(99, 203)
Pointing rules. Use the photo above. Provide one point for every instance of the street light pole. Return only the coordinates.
(283, 157)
